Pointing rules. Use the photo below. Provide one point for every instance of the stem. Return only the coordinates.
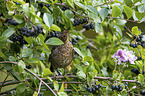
(39, 87)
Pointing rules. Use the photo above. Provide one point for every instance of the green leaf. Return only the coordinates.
(55, 28)
(29, 40)
(26, 9)
(78, 51)
(139, 15)
(10, 5)
(92, 9)
(62, 94)
(128, 2)
(56, 85)
(12, 58)
(26, 52)
(141, 78)
(47, 18)
(69, 14)
(103, 13)
(124, 93)
(116, 11)
(20, 1)
(7, 33)
(81, 75)
(135, 30)
(70, 3)
(54, 41)
(35, 93)
(141, 8)
(47, 72)
(21, 88)
(18, 18)
(62, 88)
(21, 65)
(128, 11)
(115, 75)
(81, 5)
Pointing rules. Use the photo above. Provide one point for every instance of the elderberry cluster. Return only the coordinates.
(18, 38)
(79, 21)
(142, 92)
(94, 89)
(41, 4)
(12, 22)
(64, 8)
(115, 87)
(28, 66)
(52, 34)
(89, 26)
(138, 40)
(75, 40)
(35, 31)
(135, 71)
(126, 85)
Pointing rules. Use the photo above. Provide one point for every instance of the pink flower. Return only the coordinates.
(123, 55)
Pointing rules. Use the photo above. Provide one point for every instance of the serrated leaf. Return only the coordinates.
(141, 78)
(26, 52)
(7, 33)
(55, 28)
(48, 20)
(18, 18)
(103, 13)
(135, 30)
(128, 11)
(69, 14)
(21, 88)
(54, 41)
(78, 51)
(56, 85)
(116, 11)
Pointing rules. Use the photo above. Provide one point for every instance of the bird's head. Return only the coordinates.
(64, 35)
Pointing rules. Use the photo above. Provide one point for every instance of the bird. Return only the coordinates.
(61, 55)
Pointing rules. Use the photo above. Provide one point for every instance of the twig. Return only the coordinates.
(7, 91)
(39, 87)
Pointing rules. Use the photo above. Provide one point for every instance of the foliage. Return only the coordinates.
(29, 29)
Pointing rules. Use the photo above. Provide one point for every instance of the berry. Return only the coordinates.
(92, 26)
(96, 87)
(64, 8)
(113, 87)
(141, 33)
(139, 29)
(131, 44)
(52, 34)
(84, 26)
(40, 4)
(28, 66)
(125, 27)
(81, 22)
(17, 3)
(89, 89)
(99, 85)
(134, 70)
(84, 20)
(93, 90)
(88, 46)
(140, 58)
(142, 92)
(116, 87)
(134, 37)
(119, 86)
(119, 89)
(47, 5)
(138, 39)
(126, 86)
(77, 38)
(87, 27)
(40, 94)
(126, 83)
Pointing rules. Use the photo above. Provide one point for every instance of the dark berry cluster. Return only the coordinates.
(89, 26)
(142, 92)
(126, 85)
(18, 38)
(64, 8)
(75, 40)
(79, 21)
(88, 46)
(134, 70)
(35, 31)
(17, 3)
(138, 40)
(12, 22)
(52, 34)
(94, 89)
(41, 4)
(28, 66)
(115, 87)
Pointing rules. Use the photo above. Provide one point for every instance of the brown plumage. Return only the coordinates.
(61, 55)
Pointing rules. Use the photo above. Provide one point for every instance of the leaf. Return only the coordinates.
(115, 75)
(54, 41)
(139, 15)
(7, 33)
(128, 11)
(141, 78)
(47, 72)
(124, 93)
(103, 13)
(56, 85)
(81, 5)
(116, 11)
(47, 18)
(12, 58)
(21, 88)
(62, 94)
(70, 3)
(69, 14)
(81, 75)
(92, 9)
(78, 51)
(29, 40)
(26, 9)
(21, 65)
(55, 28)
(35, 93)
(62, 88)
(135, 30)
(9, 5)
(18, 18)
(26, 52)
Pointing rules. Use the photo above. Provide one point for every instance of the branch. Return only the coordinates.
(39, 87)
